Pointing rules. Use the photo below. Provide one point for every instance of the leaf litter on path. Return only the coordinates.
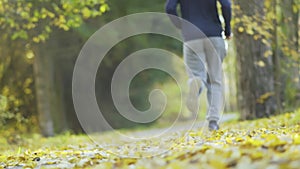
(264, 143)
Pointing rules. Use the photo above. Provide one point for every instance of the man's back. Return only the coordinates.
(203, 14)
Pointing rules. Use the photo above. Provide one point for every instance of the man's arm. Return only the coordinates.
(226, 12)
(171, 9)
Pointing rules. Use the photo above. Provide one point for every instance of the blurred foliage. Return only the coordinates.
(16, 86)
(144, 82)
(62, 27)
(33, 20)
(24, 26)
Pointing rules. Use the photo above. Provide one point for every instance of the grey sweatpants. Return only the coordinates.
(203, 59)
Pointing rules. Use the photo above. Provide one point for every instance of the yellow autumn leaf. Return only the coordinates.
(103, 8)
(268, 53)
(261, 63)
(86, 12)
(296, 139)
(241, 29)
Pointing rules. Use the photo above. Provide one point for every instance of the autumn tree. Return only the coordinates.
(267, 54)
(31, 23)
(255, 66)
(51, 34)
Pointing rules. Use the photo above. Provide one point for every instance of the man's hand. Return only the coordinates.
(228, 37)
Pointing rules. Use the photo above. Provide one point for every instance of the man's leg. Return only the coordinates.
(194, 58)
(215, 52)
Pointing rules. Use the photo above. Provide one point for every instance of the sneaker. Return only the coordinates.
(213, 125)
(192, 101)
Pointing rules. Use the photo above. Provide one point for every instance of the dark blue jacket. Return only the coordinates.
(203, 14)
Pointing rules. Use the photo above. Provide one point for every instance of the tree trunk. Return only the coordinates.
(278, 82)
(43, 71)
(255, 69)
(50, 88)
(289, 25)
(71, 43)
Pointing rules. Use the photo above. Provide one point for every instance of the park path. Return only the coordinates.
(183, 126)
(62, 158)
